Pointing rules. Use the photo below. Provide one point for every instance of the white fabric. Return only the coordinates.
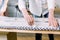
(21, 4)
(35, 6)
(51, 4)
(1, 4)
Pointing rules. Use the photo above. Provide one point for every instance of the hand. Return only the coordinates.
(52, 21)
(1, 14)
(29, 19)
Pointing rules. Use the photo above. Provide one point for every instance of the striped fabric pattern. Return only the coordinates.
(21, 24)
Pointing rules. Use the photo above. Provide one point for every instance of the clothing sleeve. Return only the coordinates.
(51, 4)
(3, 8)
(21, 4)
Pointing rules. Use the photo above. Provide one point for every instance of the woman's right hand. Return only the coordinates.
(29, 19)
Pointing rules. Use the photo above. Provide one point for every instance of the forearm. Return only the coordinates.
(51, 7)
(24, 12)
(51, 12)
(22, 7)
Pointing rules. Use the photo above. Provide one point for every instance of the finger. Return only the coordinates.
(29, 23)
(32, 20)
(55, 23)
(52, 23)
(31, 15)
(58, 24)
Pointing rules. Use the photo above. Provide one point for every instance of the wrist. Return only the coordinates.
(51, 13)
